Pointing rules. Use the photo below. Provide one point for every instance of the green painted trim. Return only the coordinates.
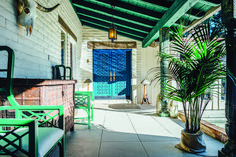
(115, 23)
(15, 122)
(130, 9)
(175, 12)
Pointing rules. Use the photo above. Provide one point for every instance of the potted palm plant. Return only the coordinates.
(200, 65)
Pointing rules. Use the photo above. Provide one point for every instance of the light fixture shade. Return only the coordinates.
(145, 82)
(112, 33)
(88, 81)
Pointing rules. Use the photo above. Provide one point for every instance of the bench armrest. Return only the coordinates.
(86, 92)
(28, 112)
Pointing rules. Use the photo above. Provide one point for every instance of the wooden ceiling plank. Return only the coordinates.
(213, 3)
(210, 13)
(98, 16)
(175, 12)
(195, 13)
(134, 9)
(107, 25)
(86, 17)
(105, 29)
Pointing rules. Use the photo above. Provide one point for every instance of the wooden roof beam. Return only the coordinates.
(116, 14)
(107, 25)
(167, 4)
(213, 3)
(98, 16)
(119, 5)
(175, 12)
(210, 13)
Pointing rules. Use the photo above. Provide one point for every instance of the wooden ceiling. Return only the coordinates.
(141, 19)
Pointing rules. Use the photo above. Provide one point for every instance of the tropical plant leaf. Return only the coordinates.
(202, 52)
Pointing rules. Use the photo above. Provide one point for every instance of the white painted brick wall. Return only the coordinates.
(35, 55)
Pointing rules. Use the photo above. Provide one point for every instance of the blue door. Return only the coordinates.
(112, 73)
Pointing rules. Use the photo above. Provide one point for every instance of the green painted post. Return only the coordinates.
(229, 20)
(164, 38)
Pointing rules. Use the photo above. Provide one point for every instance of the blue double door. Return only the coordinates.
(112, 73)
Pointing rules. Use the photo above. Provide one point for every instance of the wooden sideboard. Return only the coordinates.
(43, 92)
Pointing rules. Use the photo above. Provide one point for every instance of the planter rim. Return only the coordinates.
(199, 133)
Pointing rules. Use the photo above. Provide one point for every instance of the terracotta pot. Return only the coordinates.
(192, 142)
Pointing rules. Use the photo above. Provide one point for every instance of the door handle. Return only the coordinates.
(110, 76)
(114, 76)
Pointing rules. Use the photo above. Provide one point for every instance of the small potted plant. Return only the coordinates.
(200, 65)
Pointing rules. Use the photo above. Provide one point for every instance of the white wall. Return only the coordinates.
(36, 54)
(150, 60)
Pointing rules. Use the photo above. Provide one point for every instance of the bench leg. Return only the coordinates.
(62, 147)
(72, 128)
(92, 113)
(89, 118)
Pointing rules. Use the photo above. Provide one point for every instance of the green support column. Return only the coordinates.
(229, 20)
(164, 39)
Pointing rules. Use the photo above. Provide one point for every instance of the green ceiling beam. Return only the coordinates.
(175, 12)
(144, 12)
(130, 9)
(105, 29)
(108, 19)
(116, 14)
(108, 22)
(107, 25)
(164, 5)
(212, 3)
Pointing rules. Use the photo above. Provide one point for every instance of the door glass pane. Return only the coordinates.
(101, 73)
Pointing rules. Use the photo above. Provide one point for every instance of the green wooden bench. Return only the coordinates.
(83, 100)
(35, 130)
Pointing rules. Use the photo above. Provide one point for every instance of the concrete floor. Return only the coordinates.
(130, 133)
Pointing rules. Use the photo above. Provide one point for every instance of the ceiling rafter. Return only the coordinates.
(142, 19)
(99, 16)
(134, 9)
(84, 16)
(107, 25)
(176, 11)
(137, 11)
(105, 29)
(107, 11)
(194, 13)
(212, 3)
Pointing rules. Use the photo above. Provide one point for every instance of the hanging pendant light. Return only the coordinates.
(112, 33)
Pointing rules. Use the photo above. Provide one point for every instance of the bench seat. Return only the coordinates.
(47, 139)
